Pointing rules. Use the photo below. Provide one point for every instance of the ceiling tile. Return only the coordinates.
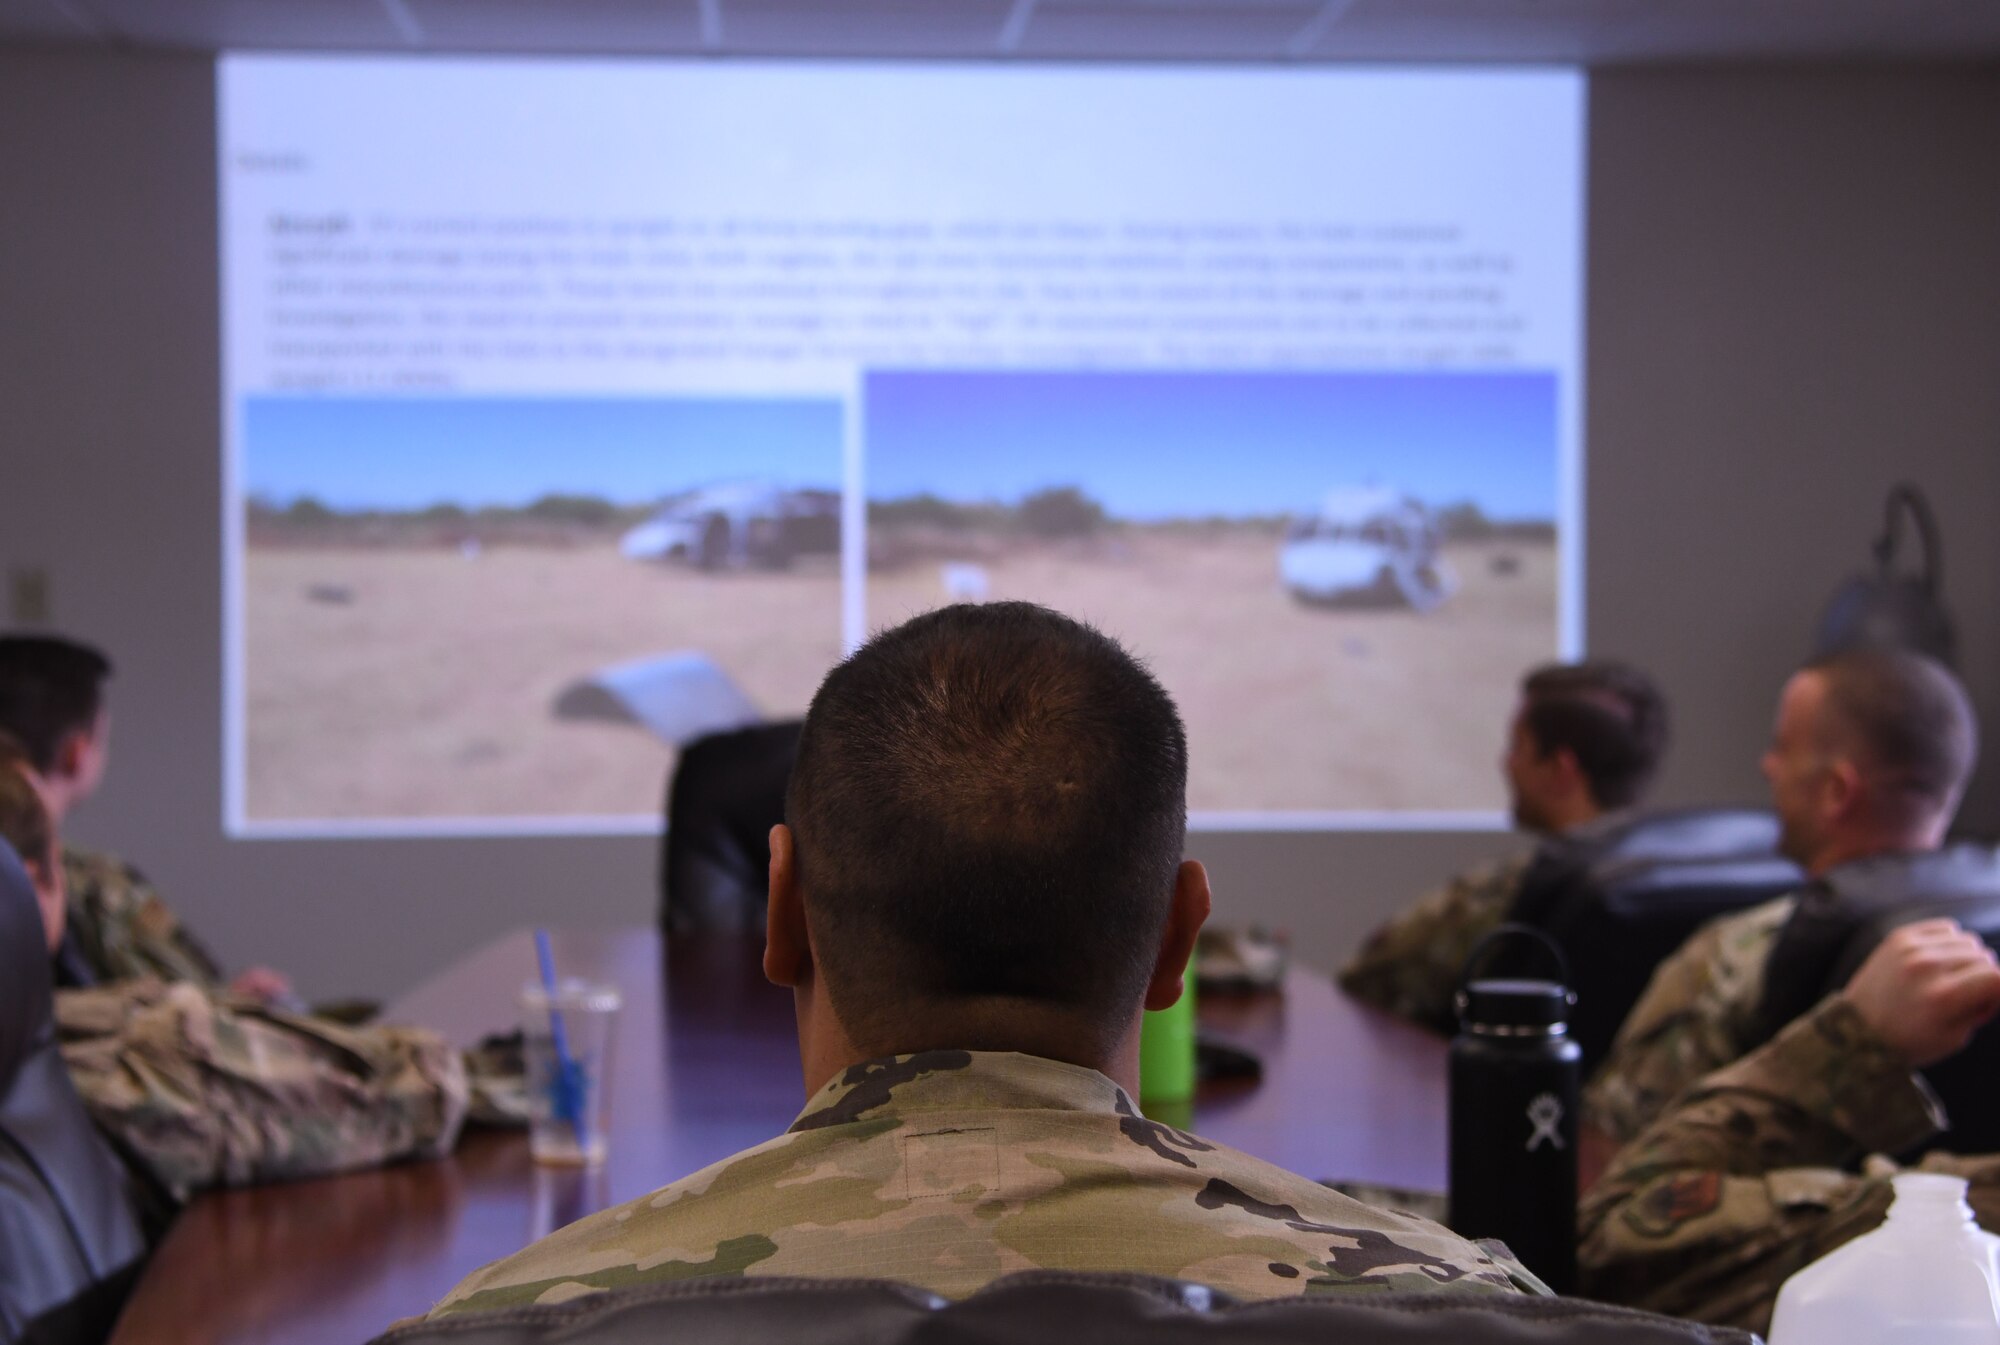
(880, 28)
(1616, 31)
(1585, 31)
(46, 19)
(214, 25)
(1490, 30)
(1763, 29)
(606, 26)
(1114, 30)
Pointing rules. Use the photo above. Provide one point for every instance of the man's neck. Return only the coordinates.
(1567, 816)
(1004, 1025)
(1847, 849)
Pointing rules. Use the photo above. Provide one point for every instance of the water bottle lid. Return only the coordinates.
(1506, 1007)
(1932, 1187)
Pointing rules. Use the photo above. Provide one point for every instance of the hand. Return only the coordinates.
(1925, 989)
(264, 984)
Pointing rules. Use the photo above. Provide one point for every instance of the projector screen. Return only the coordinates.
(574, 409)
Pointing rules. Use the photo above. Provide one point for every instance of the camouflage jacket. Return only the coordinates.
(1745, 1180)
(207, 1090)
(123, 928)
(1411, 966)
(1698, 1013)
(951, 1168)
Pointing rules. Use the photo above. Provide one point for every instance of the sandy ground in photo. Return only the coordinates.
(1292, 707)
(428, 692)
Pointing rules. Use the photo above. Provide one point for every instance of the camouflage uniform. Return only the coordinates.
(211, 1090)
(124, 929)
(951, 1168)
(1411, 965)
(1742, 1182)
(121, 929)
(1698, 1013)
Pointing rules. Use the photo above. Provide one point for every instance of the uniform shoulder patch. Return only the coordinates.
(1669, 1203)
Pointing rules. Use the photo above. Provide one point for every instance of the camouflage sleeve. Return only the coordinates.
(1411, 965)
(208, 1090)
(126, 929)
(1741, 1183)
(1693, 1017)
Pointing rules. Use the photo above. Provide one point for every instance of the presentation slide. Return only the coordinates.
(576, 409)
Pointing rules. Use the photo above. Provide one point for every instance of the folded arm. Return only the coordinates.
(1411, 965)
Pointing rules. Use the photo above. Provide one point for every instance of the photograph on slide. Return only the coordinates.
(467, 608)
(1340, 576)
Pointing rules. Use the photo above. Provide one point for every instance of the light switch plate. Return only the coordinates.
(28, 595)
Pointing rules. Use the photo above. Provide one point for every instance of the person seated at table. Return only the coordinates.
(52, 700)
(1582, 750)
(1869, 756)
(1749, 1176)
(73, 1239)
(978, 889)
(25, 825)
(201, 1087)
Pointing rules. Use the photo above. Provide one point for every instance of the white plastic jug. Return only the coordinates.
(1927, 1276)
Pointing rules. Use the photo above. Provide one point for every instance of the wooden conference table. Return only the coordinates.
(705, 1064)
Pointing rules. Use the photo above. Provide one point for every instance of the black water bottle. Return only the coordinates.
(1514, 1078)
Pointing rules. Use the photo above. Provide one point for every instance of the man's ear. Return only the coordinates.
(1185, 916)
(71, 750)
(1567, 769)
(1843, 790)
(787, 949)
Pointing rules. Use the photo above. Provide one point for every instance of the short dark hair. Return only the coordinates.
(49, 688)
(988, 800)
(1608, 715)
(1908, 720)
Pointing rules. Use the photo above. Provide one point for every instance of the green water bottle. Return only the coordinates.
(1166, 1051)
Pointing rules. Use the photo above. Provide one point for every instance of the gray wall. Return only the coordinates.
(1794, 285)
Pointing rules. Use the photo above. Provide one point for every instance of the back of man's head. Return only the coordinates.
(49, 688)
(989, 804)
(1607, 714)
(1907, 725)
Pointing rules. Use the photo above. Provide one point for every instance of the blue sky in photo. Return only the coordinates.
(409, 452)
(1159, 445)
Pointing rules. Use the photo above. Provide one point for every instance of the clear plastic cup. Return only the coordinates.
(559, 1196)
(566, 1048)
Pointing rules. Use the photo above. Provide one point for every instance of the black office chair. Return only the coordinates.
(1620, 904)
(727, 792)
(1840, 920)
(1037, 1306)
(1568, 870)
(71, 1244)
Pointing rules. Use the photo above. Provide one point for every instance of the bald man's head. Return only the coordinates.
(1872, 752)
(1907, 721)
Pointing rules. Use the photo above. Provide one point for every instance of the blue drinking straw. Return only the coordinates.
(566, 1092)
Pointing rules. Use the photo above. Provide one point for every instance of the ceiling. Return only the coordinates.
(1594, 32)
